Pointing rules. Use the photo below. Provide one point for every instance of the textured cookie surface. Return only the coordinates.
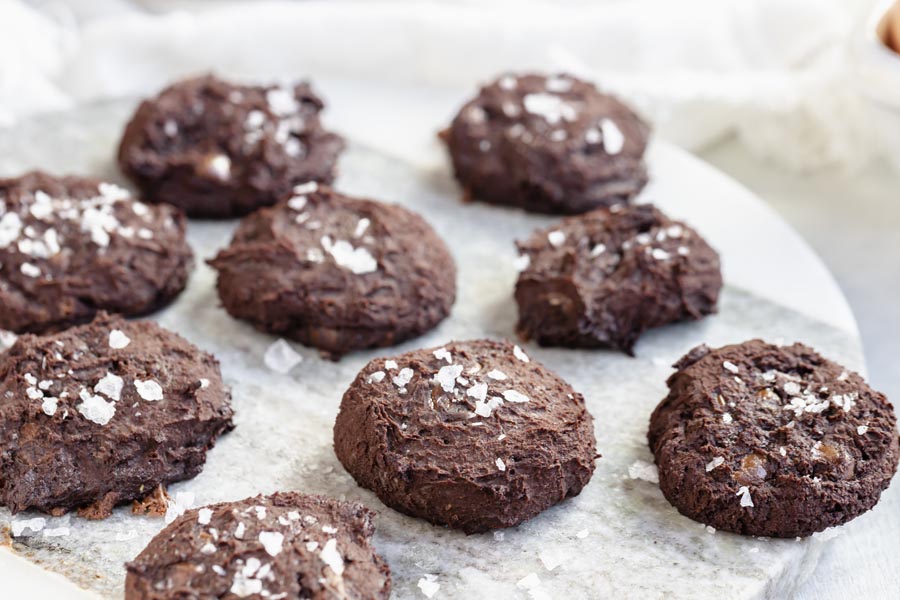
(70, 246)
(104, 413)
(474, 435)
(547, 144)
(603, 278)
(771, 440)
(218, 149)
(286, 545)
(337, 273)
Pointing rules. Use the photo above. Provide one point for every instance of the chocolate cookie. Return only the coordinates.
(219, 150)
(601, 279)
(104, 413)
(286, 545)
(771, 440)
(70, 246)
(548, 144)
(337, 273)
(474, 435)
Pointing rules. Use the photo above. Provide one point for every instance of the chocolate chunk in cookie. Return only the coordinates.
(548, 144)
(771, 440)
(286, 545)
(601, 279)
(337, 273)
(474, 435)
(220, 150)
(70, 246)
(102, 414)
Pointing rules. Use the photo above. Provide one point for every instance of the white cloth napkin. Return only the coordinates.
(772, 72)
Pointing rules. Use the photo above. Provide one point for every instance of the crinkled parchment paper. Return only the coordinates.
(619, 538)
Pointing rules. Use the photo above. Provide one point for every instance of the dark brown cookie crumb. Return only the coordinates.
(104, 413)
(771, 440)
(601, 279)
(286, 545)
(337, 273)
(70, 246)
(548, 144)
(474, 435)
(219, 150)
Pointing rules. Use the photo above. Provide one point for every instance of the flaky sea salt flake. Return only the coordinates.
(717, 461)
(148, 390)
(478, 391)
(7, 339)
(556, 238)
(309, 187)
(428, 585)
(18, 526)
(514, 396)
(528, 582)
(30, 270)
(507, 82)
(361, 227)
(558, 84)
(204, 515)
(272, 542)
(551, 108)
(483, 408)
(551, 558)
(281, 357)
(446, 377)
(110, 386)
(297, 203)
(244, 586)
(95, 408)
(792, 388)
(613, 139)
(219, 166)
(282, 102)
(403, 377)
(376, 377)
(521, 262)
(49, 406)
(443, 354)
(358, 261)
(332, 557)
(118, 339)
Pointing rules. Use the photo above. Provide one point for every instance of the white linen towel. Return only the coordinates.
(773, 72)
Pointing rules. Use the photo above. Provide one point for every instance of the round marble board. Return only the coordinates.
(620, 536)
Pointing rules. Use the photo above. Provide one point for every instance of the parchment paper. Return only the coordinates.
(619, 538)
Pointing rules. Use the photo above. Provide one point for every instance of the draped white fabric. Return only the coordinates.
(774, 72)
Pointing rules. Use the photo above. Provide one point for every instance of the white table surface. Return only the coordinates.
(852, 220)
